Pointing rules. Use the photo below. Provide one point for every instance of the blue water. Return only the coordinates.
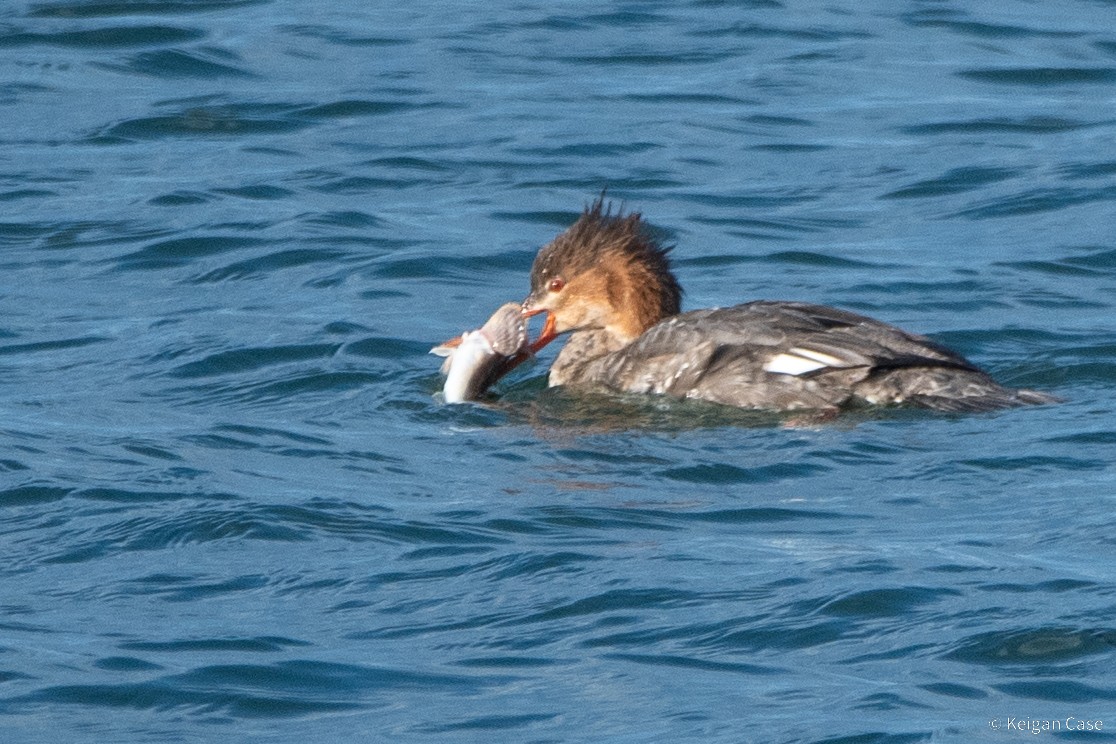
(232, 507)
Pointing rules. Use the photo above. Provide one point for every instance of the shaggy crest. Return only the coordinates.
(600, 238)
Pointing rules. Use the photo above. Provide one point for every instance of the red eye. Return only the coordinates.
(556, 284)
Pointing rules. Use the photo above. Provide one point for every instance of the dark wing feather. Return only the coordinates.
(772, 355)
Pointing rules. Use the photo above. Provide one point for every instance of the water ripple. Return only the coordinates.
(109, 8)
(1043, 76)
(282, 690)
(247, 360)
(1045, 646)
(222, 120)
(1002, 125)
(956, 181)
(1034, 201)
(206, 63)
(111, 37)
(984, 30)
(181, 251)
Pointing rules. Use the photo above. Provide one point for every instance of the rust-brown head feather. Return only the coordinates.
(618, 276)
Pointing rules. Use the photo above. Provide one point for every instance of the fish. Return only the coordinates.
(476, 359)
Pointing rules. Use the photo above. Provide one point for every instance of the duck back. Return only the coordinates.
(788, 356)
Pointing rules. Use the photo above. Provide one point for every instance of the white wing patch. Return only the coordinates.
(799, 361)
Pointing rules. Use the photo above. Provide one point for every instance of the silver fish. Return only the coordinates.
(477, 359)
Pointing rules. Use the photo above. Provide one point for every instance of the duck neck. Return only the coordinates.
(640, 298)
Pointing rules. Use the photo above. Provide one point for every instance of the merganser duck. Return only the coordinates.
(608, 284)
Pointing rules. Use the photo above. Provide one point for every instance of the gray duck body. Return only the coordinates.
(784, 356)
